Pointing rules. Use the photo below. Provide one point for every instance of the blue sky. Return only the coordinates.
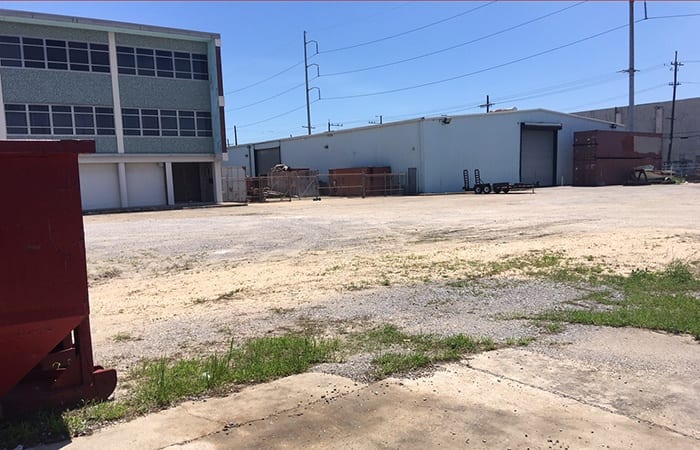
(522, 54)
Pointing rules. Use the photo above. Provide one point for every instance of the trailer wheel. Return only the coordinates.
(505, 190)
(487, 189)
(477, 189)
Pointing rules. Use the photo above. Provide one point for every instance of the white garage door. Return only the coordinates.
(145, 184)
(99, 186)
(538, 156)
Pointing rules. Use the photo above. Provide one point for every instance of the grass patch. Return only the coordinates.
(400, 352)
(259, 360)
(125, 337)
(663, 300)
(161, 383)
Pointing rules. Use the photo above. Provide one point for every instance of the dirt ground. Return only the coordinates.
(182, 283)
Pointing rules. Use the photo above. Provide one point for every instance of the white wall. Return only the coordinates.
(490, 143)
(99, 186)
(395, 146)
(145, 184)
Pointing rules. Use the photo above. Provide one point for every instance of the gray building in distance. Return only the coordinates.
(150, 97)
(656, 118)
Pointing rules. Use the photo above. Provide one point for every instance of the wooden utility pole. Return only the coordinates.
(675, 83)
(487, 105)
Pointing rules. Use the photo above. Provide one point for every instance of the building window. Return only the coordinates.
(183, 65)
(164, 63)
(56, 54)
(131, 121)
(59, 120)
(200, 67)
(78, 56)
(126, 61)
(36, 53)
(145, 63)
(62, 119)
(168, 122)
(34, 56)
(104, 121)
(10, 52)
(99, 58)
(84, 120)
(203, 123)
(39, 119)
(16, 119)
(149, 122)
(186, 123)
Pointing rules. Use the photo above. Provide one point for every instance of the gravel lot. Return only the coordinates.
(186, 282)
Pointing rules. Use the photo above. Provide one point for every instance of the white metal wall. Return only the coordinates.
(99, 186)
(490, 143)
(145, 184)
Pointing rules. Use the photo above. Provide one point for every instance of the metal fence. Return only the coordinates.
(687, 169)
(286, 185)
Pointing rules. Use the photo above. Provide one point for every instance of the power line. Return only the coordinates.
(275, 117)
(266, 99)
(527, 95)
(413, 30)
(266, 79)
(674, 16)
(379, 66)
(577, 107)
(498, 66)
(368, 16)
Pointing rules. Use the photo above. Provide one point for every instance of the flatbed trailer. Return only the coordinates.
(499, 188)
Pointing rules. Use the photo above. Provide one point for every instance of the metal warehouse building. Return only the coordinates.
(151, 98)
(529, 146)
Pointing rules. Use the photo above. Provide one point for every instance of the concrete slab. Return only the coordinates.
(193, 420)
(641, 374)
(457, 407)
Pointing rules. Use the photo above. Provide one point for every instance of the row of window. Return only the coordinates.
(91, 57)
(88, 120)
(162, 63)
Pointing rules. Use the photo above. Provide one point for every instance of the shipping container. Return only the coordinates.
(604, 157)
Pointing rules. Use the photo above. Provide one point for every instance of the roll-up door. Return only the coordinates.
(145, 184)
(99, 186)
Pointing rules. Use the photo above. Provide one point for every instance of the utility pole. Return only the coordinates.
(235, 136)
(306, 77)
(487, 105)
(630, 112)
(333, 125)
(675, 83)
(374, 123)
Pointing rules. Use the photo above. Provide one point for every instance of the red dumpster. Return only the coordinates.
(45, 340)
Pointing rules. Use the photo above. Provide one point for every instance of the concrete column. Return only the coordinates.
(123, 196)
(659, 119)
(218, 195)
(116, 100)
(169, 187)
(3, 123)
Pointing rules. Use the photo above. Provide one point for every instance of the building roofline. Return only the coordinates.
(8, 15)
(419, 119)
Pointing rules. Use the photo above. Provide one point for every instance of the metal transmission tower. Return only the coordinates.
(675, 83)
(306, 77)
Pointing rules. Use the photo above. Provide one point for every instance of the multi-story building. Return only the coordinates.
(150, 97)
